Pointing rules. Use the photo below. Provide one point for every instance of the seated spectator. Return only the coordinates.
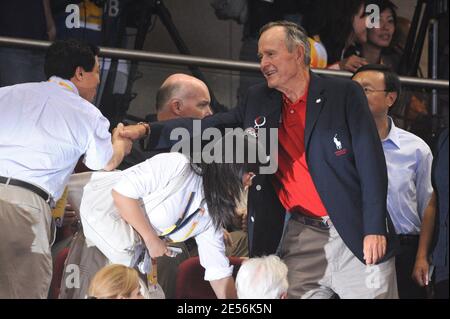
(115, 282)
(180, 95)
(339, 26)
(379, 46)
(262, 278)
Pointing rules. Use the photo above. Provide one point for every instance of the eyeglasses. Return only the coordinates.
(368, 90)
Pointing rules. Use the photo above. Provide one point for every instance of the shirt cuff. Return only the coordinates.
(218, 273)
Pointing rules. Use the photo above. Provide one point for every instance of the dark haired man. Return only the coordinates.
(408, 161)
(44, 129)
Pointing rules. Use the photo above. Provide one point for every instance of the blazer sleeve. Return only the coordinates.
(159, 138)
(369, 160)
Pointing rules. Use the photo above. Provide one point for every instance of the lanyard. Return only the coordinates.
(182, 221)
(63, 84)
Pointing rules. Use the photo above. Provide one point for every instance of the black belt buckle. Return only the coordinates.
(322, 223)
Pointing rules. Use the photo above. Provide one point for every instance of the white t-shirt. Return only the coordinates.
(45, 128)
(155, 173)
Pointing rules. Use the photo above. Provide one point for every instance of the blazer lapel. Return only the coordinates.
(314, 105)
(271, 108)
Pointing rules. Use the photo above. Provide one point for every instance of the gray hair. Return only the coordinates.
(295, 35)
(262, 278)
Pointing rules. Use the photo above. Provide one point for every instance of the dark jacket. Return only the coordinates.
(440, 184)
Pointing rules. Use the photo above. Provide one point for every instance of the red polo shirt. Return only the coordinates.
(293, 181)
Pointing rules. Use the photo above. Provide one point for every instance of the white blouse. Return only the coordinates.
(154, 174)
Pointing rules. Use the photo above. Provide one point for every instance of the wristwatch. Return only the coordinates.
(147, 128)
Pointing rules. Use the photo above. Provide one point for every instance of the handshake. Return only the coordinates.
(123, 136)
(122, 141)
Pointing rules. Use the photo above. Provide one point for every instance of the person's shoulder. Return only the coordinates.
(23, 87)
(260, 88)
(336, 83)
(412, 139)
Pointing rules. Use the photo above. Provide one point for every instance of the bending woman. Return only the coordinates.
(210, 191)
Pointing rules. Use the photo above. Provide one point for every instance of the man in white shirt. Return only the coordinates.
(44, 129)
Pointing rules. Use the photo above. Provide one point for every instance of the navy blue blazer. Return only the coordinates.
(344, 156)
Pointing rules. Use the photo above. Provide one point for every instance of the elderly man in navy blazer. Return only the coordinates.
(331, 177)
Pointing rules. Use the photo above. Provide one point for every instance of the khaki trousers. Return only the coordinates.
(320, 265)
(25, 240)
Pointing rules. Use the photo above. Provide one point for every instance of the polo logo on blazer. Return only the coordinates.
(340, 150)
(337, 142)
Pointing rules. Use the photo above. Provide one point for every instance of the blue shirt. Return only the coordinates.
(408, 161)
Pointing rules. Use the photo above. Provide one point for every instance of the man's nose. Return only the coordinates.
(208, 111)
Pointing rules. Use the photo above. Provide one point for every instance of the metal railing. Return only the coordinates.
(177, 59)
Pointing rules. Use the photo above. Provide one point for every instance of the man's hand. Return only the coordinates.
(352, 63)
(420, 272)
(374, 248)
(120, 141)
(121, 148)
(135, 132)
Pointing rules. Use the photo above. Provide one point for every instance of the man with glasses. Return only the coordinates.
(410, 197)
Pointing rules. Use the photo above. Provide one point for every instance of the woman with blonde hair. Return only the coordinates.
(115, 282)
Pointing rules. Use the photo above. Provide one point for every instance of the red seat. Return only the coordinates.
(58, 268)
(190, 282)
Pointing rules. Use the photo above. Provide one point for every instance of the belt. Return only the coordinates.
(322, 223)
(38, 191)
(408, 239)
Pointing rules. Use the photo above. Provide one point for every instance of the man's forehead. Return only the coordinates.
(274, 31)
(272, 37)
(370, 76)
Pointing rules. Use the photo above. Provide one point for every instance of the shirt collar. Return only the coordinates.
(393, 135)
(65, 84)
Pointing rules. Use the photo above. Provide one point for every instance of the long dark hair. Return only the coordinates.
(222, 181)
(333, 22)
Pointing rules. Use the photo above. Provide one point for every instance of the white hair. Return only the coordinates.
(262, 278)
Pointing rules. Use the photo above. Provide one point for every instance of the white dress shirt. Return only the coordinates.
(155, 173)
(45, 128)
(408, 160)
